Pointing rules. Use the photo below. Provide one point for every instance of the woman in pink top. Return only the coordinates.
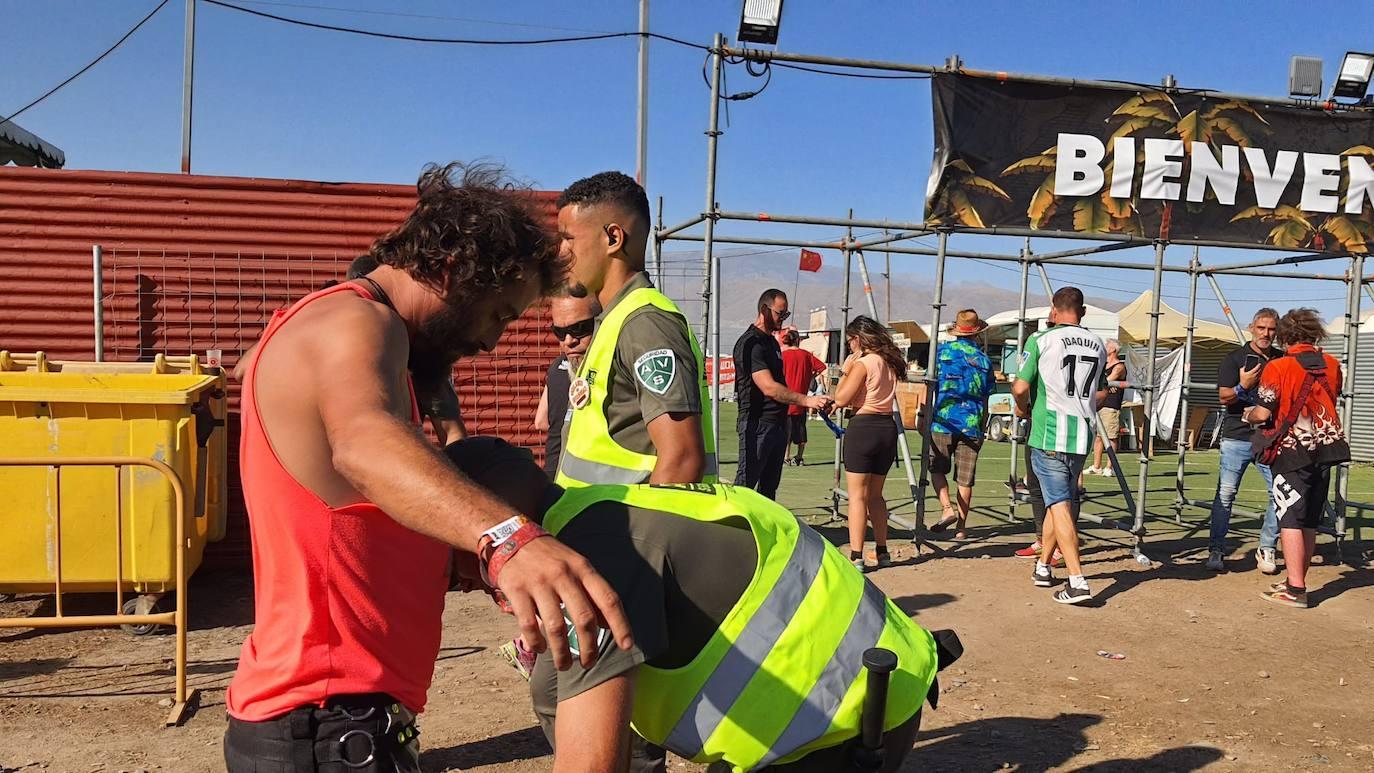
(868, 388)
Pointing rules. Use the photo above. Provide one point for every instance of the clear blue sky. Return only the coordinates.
(274, 100)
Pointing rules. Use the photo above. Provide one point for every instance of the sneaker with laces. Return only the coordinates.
(1214, 561)
(859, 564)
(1280, 594)
(1043, 579)
(1071, 595)
(1264, 560)
(519, 658)
(1032, 551)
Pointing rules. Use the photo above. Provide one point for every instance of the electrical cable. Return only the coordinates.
(93, 63)
(429, 17)
(454, 41)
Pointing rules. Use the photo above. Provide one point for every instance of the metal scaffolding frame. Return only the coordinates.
(900, 231)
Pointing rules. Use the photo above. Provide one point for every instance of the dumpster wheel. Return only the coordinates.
(152, 604)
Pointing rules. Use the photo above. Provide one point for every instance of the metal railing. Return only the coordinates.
(175, 618)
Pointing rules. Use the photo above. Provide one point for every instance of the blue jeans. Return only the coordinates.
(1058, 475)
(1235, 457)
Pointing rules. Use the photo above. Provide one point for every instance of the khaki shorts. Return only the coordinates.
(957, 453)
(1111, 422)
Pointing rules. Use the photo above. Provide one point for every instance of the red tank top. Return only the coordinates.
(346, 599)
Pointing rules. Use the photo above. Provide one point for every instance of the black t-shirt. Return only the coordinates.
(1116, 372)
(558, 382)
(1228, 375)
(758, 351)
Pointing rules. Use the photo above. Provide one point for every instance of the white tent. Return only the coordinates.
(1002, 325)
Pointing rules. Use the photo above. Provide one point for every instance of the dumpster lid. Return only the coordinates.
(105, 388)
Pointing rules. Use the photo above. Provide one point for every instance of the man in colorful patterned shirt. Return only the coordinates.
(961, 406)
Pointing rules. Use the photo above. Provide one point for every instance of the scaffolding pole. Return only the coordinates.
(932, 378)
(658, 247)
(712, 293)
(837, 491)
(1020, 347)
(1045, 280)
(1225, 307)
(1149, 389)
(1180, 489)
(1352, 350)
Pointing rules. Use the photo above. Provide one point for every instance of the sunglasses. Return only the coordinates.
(780, 316)
(578, 330)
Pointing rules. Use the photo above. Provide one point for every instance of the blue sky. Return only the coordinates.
(274, 100)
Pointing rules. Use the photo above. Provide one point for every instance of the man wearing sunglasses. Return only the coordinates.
(574, 320)
(638, 395)
(762, 394)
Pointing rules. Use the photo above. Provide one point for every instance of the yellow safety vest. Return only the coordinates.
(590, 455)
(783, 675)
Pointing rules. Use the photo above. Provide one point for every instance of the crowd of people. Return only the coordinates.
(360, 525)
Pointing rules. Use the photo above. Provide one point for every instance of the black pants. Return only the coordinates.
(352, 734)
(762, 448)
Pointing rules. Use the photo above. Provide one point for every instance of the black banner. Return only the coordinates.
(1044, 156)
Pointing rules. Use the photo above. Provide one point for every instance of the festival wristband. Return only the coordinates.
(493, 561)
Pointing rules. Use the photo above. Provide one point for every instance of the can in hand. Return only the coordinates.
(1020, 429)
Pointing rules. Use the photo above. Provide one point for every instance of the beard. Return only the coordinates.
(440, 342)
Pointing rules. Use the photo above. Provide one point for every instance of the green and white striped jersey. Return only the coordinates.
(1065, 365)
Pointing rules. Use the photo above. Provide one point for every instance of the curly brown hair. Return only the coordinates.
(473, 231)
(1301, 326)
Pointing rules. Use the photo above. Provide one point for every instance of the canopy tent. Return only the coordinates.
(1173, 325)
(914, 331)
(24, 148)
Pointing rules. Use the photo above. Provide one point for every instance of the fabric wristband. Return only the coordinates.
(1244, 395)
(493, 562)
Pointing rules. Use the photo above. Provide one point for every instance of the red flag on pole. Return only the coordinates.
(810, 261)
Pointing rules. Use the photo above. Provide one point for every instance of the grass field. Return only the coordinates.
(806, 490)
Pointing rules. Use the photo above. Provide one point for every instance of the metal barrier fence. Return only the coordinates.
(175, 618)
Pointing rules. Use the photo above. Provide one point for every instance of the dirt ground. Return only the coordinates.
(1214, 678)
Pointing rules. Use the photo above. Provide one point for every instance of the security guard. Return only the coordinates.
(749, 627)
(638, 398)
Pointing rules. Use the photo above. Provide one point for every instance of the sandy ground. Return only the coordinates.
(1214, 678)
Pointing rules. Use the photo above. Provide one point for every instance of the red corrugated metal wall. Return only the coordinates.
(194, 263)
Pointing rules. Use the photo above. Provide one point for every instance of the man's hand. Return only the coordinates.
(545, 573)
(817, 402)
(1249, 378)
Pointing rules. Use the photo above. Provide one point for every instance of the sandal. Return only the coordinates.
(944, 523)
(960, 536)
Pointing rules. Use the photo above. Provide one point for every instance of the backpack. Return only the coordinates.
(1266, 442)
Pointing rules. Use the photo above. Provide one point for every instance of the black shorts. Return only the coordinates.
(870, 443)
(796, 428)
(1300, 496)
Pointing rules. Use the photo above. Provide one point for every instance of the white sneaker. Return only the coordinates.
(1214, 561)
(1105, 472)
(1093, 471)
(1265, 559)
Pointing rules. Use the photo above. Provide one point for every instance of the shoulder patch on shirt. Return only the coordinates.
(656, 370)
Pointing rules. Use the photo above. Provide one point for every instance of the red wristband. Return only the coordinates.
(491, 566)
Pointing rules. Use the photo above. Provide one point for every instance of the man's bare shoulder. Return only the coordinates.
(338, 319)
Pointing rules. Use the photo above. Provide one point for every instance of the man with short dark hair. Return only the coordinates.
(1237, 375)
(801, 370)
(762, 395)
(639, 396)
(1063, 375)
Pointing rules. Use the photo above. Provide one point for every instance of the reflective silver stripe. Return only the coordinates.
(580, 469)
(816, 713)
(712, 466)
(742, 661)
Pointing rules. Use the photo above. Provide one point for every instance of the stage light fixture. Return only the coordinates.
(759, 21)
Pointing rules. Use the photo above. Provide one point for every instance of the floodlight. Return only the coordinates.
(759, 22)
(1353, 79)
(1305, 76)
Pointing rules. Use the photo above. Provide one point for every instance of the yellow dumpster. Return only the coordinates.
(169, 410)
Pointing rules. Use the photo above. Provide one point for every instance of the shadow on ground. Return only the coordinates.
(1028, 745)
(527, 744)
